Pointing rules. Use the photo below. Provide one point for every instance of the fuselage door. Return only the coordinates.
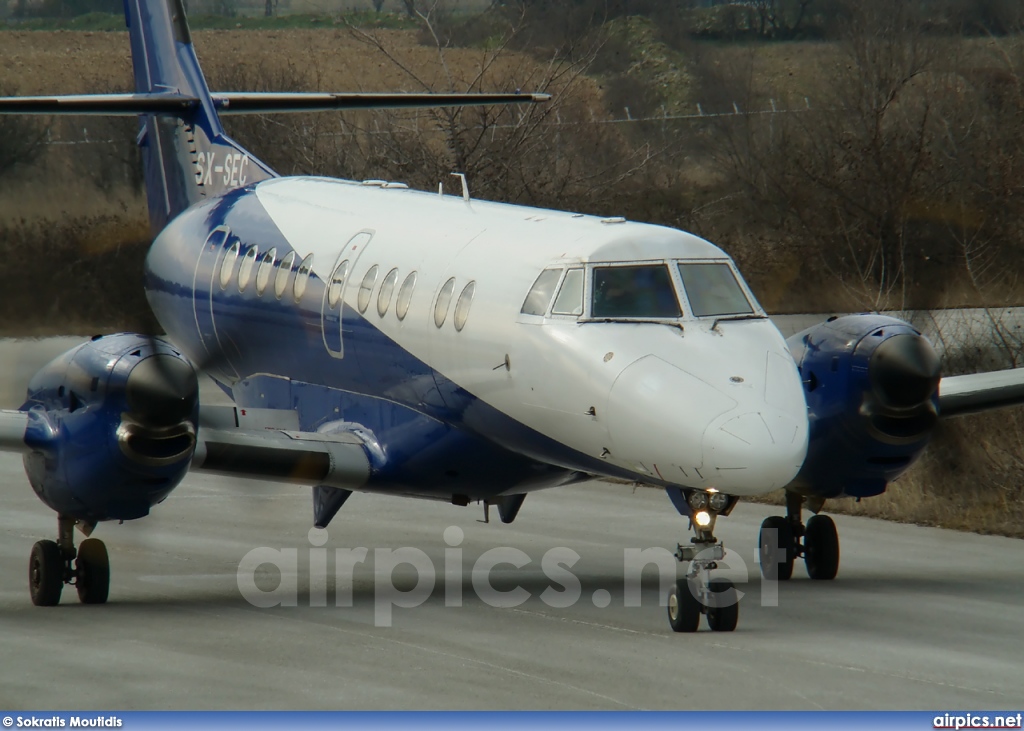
(332, 312)
(216, 260)
(201, 283)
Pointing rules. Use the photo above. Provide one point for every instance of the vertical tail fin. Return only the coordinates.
(187, 157)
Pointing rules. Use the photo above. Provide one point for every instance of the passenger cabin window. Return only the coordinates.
(537, 300)
(713, 290)
(302, 277)
(444, 300)
(227, 266)
(405, 296)
(337, 284)
(570, 297)
(246, 267)
(462, 306)
(387, 289)
(284, 271)
(636, 291)
(366, 288)
(265, 270)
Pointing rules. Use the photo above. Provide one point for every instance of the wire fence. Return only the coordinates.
(664, 118)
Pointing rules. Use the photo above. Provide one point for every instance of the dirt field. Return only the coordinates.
(50, 62)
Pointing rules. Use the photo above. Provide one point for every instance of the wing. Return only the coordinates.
(976, 392)
(259, 444)
(13, 425)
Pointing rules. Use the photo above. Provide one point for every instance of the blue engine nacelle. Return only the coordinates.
(112, 427)
(871, 384)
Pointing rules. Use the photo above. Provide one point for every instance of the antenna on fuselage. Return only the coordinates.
(465, 185)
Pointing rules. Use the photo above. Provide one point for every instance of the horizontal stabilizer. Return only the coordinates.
(976, 392)
(270, 102)
(105, 104)
(246, 103)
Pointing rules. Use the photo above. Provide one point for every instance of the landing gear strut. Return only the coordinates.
(782, 540)
(56, 563)
(698, 593)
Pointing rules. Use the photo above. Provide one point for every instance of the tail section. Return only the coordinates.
(187, 156)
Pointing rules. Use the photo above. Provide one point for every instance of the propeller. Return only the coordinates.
(904, 373)
(162, 390)
(905, 370)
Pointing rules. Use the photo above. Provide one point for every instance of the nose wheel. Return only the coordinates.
(783, 539)
(53, 564)
(698, 594)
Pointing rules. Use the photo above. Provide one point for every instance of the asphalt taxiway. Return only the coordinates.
(918, 618)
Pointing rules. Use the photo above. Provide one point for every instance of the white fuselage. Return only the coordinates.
(696, 401)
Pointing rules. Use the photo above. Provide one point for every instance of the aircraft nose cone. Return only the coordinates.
(763, 449)
(162, 390)
(905, 370)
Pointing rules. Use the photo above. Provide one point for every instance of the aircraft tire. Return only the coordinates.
(821, 548)
(725, 614)
(684, 609)
(46, 574)
(776, 558)
(92, 571)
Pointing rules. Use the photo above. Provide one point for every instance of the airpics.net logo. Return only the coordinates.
(971, 720)
(407, 577)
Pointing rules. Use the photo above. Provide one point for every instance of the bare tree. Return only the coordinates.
(847, 182)
(550, 154)
(781, 18)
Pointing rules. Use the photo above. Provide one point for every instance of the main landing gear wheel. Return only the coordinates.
(56, 563)
(817, 542)
(821, 548)
(46, 574)
(777, 548)
(92, 572)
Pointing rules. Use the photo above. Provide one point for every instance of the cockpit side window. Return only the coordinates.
(570, 297)
(713, 290)
(540, 294)
(634, 291)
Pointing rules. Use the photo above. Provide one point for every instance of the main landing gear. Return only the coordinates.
(782, 540)
(698, 593)
(56, 563)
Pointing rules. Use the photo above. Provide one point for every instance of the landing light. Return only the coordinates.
(702, 518)
(698, 500)
(719, 501)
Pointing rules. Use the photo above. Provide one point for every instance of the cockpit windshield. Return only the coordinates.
(713, 290)
(635, 291)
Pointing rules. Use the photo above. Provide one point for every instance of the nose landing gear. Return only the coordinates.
(697, 593)
(56, 563)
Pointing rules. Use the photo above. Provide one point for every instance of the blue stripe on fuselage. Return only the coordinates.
(435, 437)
